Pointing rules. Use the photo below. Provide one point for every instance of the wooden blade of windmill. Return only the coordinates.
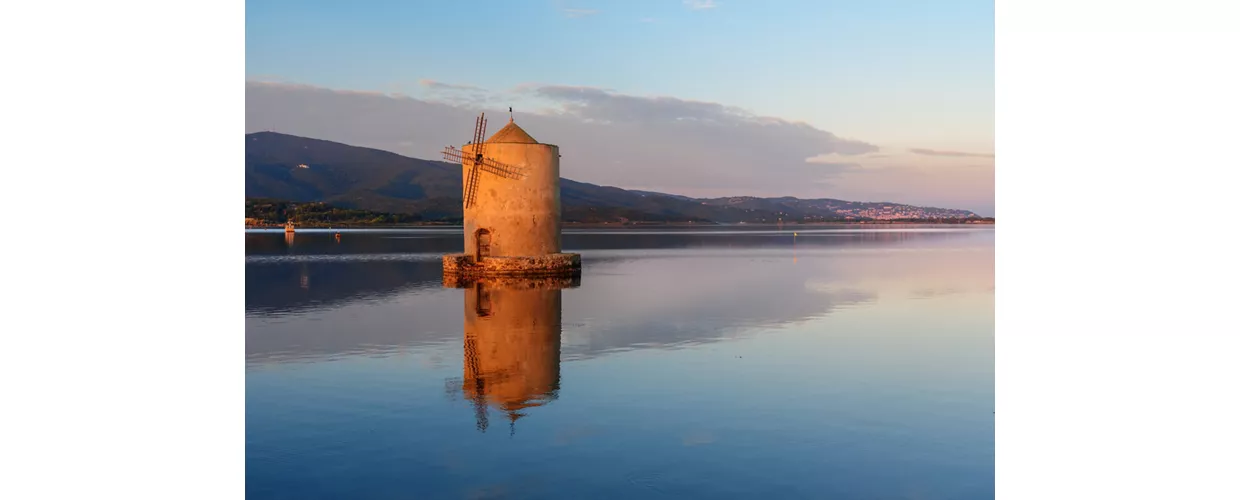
(465, 188)
(453, 388)
(479, 128)
(479, 385)
(471, 187)
(502, 169)
(454, 155)
(488, 164)
(480, 147)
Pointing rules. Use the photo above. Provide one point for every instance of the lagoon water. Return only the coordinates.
(843, 362)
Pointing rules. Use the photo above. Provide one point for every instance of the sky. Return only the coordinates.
(876, 100)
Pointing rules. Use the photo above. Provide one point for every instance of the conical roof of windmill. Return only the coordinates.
(511, 133)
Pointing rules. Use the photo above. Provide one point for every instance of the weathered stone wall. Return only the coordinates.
(539, 265)
(523, 215)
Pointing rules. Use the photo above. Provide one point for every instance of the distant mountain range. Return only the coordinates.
(299, 169)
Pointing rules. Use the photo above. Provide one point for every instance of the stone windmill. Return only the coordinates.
(511, 206)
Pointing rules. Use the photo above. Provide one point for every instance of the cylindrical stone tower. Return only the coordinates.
(512, 226)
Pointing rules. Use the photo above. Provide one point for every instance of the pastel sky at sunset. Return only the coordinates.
(876, 100)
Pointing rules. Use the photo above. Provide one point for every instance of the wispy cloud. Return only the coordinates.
(575, 13)
(267, 78)
(438, 85)
(835, 165)
(648, 20)
(700, 4)
(933, 152)
(699, 117)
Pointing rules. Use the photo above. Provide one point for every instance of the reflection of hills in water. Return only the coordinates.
(666, 302)
(511, 344)
(329, 272)
(293, 287)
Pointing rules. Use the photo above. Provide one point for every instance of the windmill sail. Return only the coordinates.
(479, 162)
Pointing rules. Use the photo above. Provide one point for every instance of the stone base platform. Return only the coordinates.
(556, 264)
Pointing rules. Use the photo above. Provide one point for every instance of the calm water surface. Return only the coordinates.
(716, 363)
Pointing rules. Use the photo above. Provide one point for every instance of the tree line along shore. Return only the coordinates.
(261, 213)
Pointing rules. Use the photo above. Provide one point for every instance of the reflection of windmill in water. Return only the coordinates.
(511, 344)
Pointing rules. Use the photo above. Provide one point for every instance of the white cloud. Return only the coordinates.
(438, 85)
(935, 152)
(700, 4)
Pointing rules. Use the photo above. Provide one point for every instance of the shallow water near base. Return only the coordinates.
(839, 362)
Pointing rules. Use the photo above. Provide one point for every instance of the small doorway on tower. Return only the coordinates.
(482, 246)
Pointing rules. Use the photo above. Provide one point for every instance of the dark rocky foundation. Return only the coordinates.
(556, 264)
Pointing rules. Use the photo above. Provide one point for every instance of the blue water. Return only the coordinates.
(838, 363)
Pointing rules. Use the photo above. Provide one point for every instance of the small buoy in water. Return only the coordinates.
(337, 236)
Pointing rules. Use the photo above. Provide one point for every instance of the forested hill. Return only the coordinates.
(290, 168)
